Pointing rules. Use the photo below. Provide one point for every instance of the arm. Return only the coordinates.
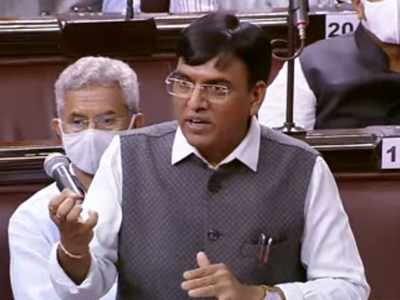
(329, 251)
(92, 275)
(273, 110)
(31, 235)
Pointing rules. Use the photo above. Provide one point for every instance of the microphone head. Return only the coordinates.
(54, 161)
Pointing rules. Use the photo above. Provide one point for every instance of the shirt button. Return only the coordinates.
(213, 235)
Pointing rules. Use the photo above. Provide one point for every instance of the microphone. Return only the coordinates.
(300, 20)
(56, 166)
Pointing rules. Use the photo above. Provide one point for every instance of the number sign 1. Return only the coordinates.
(390, 155)
(340, 23)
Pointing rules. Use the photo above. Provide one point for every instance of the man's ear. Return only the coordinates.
(55, 126)
(138, 120)
(257, 94)
(359, 9)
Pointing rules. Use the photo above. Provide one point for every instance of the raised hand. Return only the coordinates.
(75, 234)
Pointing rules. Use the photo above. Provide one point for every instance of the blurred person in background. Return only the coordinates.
(348, 81)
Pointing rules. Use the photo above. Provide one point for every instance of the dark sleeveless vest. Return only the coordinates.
(351, 80)
(170, 212)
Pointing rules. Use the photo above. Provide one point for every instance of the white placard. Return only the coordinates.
(390, 156)
(340, 23)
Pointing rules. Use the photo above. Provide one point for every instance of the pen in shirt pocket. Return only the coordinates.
(264, 246)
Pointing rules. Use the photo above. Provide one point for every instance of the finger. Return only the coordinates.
(202, 259)
(56, 201)
(74, 214)
(208, 291)
(199, 282)
(201, 272)
(70, 193)
(64, 208)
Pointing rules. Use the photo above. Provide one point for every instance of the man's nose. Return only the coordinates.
(197, 99)
(92, 124)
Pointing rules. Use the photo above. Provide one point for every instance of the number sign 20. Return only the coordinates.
(340, 23)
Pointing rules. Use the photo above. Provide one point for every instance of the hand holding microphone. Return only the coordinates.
(65, 209)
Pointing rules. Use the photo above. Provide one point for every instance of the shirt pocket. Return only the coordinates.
(283, 262)
(278, 247)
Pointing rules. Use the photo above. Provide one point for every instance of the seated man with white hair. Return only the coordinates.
(96, 99)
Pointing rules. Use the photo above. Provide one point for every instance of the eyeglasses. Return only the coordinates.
(184, 89)
(104, 122)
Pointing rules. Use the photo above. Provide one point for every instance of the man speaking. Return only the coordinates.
(213, 205)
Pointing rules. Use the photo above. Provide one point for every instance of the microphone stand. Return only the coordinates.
(289, 127)
(130, 12)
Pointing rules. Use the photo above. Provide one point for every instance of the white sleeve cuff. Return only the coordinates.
(291, 291)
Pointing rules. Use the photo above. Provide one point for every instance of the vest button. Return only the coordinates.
(213, 235)
(214, 185)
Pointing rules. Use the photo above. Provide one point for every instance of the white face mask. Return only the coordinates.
(382, 18)
(85, 148)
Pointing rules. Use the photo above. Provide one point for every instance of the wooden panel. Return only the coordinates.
(31, 57)
(45, 36)
(372, 203)
(26, 93)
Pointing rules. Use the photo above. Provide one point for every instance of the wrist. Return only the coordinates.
(71, 255)
(259, 292)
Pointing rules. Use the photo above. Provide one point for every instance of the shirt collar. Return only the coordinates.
(247, 151)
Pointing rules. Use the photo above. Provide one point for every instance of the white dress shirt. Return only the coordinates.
(273, 110)
(32, 235)
(329, 252)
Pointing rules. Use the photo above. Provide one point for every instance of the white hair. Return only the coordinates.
(101, 71)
